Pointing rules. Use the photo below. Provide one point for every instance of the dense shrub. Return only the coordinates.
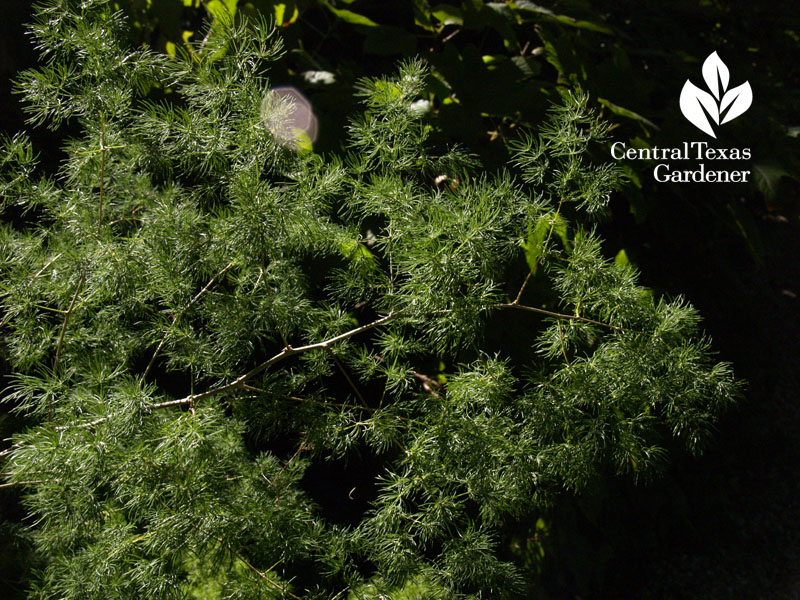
(253, 371)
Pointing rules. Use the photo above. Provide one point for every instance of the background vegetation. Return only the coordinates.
(719, 526)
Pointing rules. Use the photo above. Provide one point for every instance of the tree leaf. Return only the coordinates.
(350, 17)
(767, 177)
(529, 66)
(538, 235)
(524, 5)
(625, 112)
(221, 8)
(621, 259)
(534, 245)
(448, 15)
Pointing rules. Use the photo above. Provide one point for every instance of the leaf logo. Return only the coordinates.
(698, 105)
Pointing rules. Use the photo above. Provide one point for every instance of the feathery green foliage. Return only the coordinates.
(201, 321)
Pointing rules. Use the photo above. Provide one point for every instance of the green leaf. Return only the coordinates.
(279, 10)
(524, 5)
(529, 66)
(447, 14)
(349, 16)
(499, 17)
(538, 237)
(535, 244)
(302, 140)
(768, 176)
(422, 15)
(625, 112)
(621, 259)
(356, 251)
(560, 52)
(221, 8)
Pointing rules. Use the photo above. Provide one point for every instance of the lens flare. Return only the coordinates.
(288, 115)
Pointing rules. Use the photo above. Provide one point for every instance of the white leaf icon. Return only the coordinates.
(693, 101)
(715, 72)
(739, 98)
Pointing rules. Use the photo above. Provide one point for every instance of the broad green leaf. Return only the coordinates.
(768, 176)
(538, 236)
(560, 229)
(279, 10)
(351, 17)
(285, 13)
(621, 259)
(422, 15)
(524, 5)
(356, 251)
(534, 245)
(632, 176)
(625, 112)
(447, 14)
(302, 140)
(529, 66)
(499, 17)
(560, 52)
(221, 8)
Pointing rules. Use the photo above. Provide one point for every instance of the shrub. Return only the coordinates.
(252, 371)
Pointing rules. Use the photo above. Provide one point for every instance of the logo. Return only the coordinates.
(721, 105)
(699, 162)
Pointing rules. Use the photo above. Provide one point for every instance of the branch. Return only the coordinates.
(261, 574)
(544, 247)
(31, 482)
(47, 264)
(550, 313)
(428, 384)
(352, 383)
(243, 379)
(285, 353)
(102, 168)
(179, 314)
(66, 320)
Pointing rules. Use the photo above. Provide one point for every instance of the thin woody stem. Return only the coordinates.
(349, 379)
(428, 384)
(550, 313)
(240, 382)
(66, 321)
(179, 314)
(261, 574)
(102, 167)
(31, 482)
(539, 258)
(47, 264)
(524, 283)
(283, 354)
